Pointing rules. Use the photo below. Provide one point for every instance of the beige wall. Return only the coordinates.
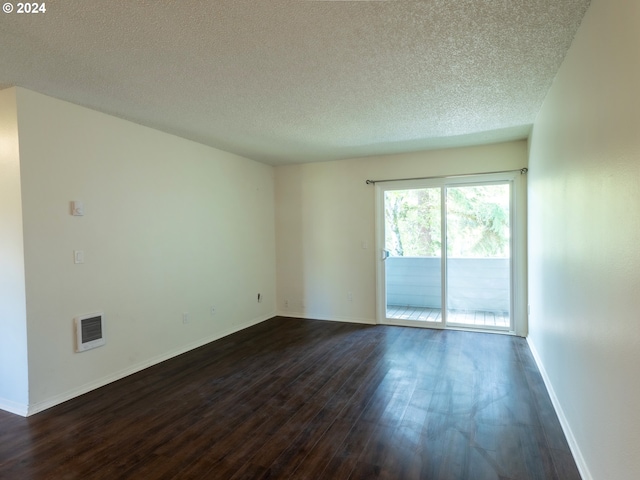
(14, 388)
(325, 213)
(584, 241)
(170, 226)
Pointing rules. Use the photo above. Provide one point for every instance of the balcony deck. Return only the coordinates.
(476, 318)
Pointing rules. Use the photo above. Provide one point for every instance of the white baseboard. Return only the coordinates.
(13, 407)
(76, 392)
(566, 428)
(306, 316)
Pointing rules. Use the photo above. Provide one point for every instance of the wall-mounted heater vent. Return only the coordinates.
(89, 331)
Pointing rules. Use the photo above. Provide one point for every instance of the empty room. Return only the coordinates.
(320, 239)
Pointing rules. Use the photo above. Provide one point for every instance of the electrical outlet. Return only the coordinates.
(286, 304)
(350, 296)
(185, 318)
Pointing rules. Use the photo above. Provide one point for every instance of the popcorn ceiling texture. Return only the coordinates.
(289, 81)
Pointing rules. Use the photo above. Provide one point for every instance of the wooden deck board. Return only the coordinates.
(476, 318)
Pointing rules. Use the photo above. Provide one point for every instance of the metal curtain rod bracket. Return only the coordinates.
(521, 170)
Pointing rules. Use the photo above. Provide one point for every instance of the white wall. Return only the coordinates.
(14, 386)
(170, 226)
(584, 241)
(325, 213)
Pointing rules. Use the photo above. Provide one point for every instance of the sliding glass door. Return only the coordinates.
(413, 254)
(479, 256)
(446, 253)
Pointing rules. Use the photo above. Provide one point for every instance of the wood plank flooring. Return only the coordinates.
(307, 399)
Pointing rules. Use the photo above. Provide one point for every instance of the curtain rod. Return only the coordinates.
(521, 170)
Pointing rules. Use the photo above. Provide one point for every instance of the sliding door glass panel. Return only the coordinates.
(413, 250)
(478, 230)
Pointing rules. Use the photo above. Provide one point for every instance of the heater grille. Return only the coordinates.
(89, 331)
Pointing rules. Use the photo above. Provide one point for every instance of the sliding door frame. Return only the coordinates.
(517, 213)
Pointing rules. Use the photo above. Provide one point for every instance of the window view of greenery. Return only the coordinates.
(477, 222)
(412, 222)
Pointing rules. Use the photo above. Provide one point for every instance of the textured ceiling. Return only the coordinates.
(290, 81)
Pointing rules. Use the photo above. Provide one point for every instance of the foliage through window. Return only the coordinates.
(477, 216)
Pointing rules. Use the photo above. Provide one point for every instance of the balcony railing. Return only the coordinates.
(474, 284)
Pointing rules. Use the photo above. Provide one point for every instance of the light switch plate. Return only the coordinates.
(77, 208)
(78, 256)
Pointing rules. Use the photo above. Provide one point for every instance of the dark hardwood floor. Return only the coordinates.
(307, 399)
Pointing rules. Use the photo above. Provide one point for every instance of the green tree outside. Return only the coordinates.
(477, 221)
